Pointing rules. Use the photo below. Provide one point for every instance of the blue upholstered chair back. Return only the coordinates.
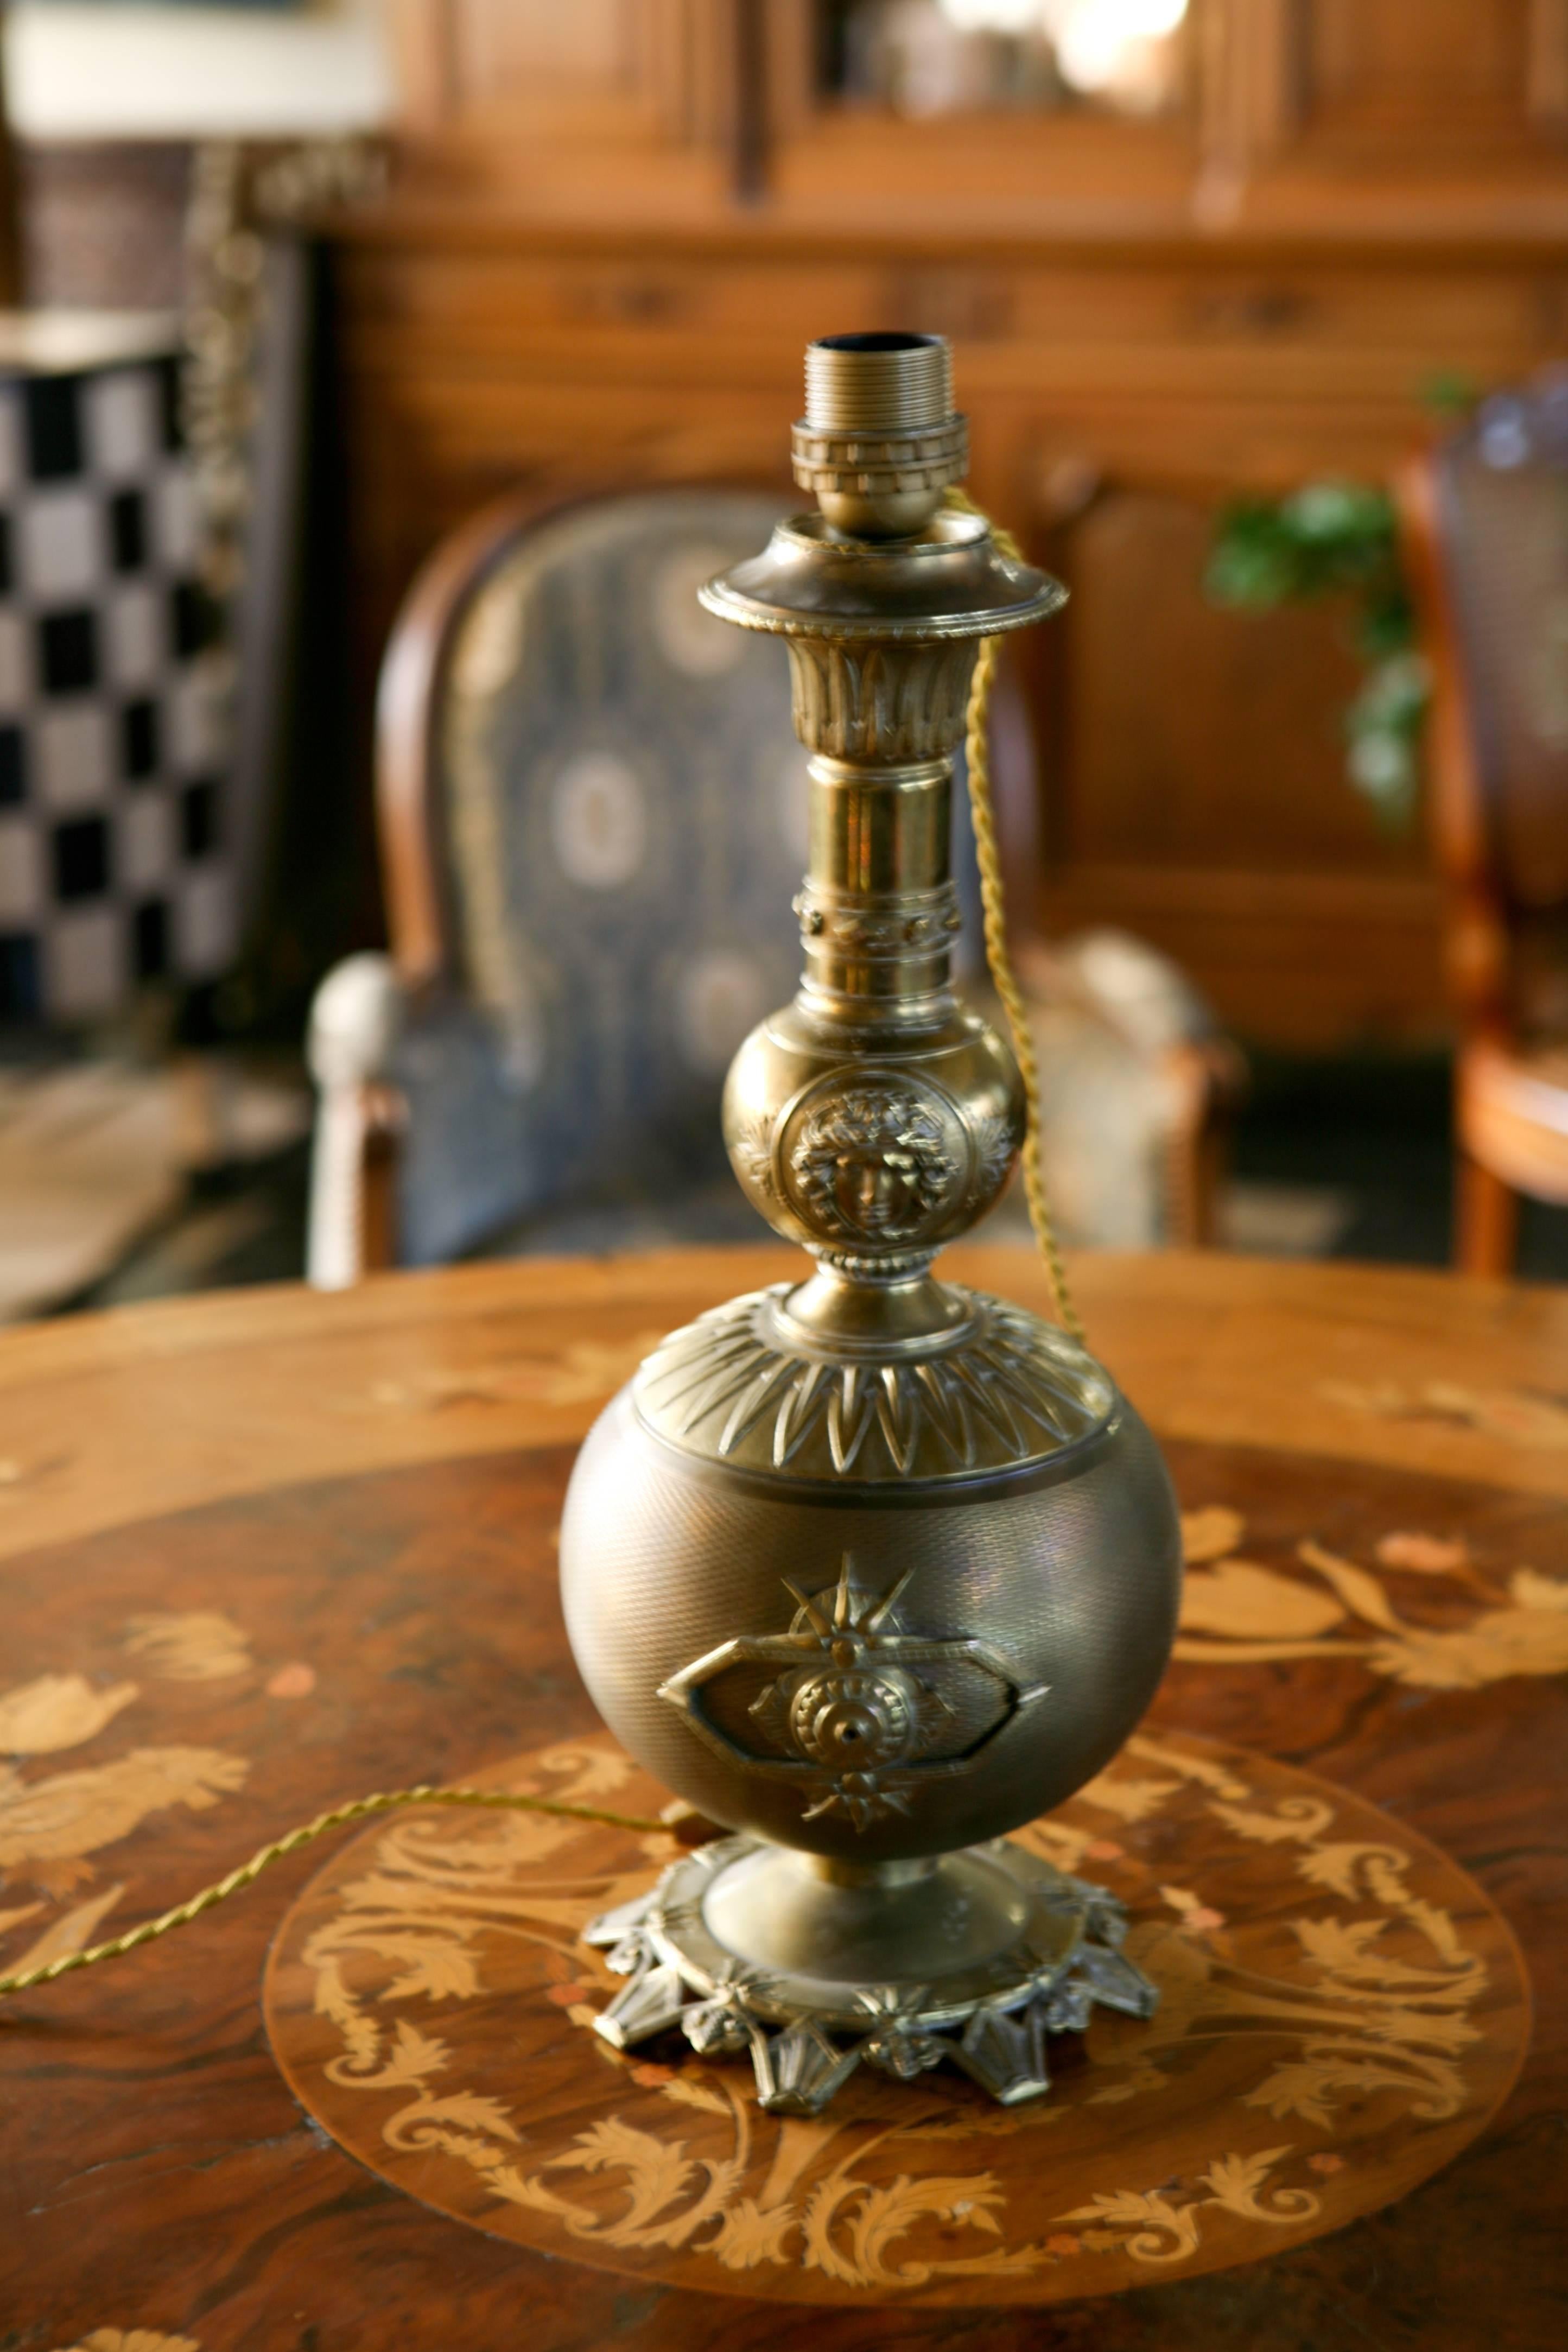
(622, 808)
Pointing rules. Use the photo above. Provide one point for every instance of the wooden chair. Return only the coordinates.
(593, 816)
(1486, 528)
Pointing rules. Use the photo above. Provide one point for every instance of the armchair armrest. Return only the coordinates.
(355, 1022)
(1200, 1074)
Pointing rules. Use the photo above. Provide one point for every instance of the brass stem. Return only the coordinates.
(832, 1872)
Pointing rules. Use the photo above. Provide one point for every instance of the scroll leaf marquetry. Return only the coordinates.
(1339, 2008)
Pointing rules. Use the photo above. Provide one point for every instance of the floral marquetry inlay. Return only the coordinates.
(67, 1815)
(57, 1711)
(1341, 2010)
(132, 2339)
(1458, 1629)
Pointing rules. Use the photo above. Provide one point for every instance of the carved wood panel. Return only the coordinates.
(1421, 81)
(1193, 735)
(464, 64)
(1195, 788)
(1430, 80)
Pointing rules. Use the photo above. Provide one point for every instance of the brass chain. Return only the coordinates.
(385, 1802)
(977, 757)
(977, 752)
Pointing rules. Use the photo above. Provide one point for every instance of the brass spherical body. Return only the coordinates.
(988, 1642)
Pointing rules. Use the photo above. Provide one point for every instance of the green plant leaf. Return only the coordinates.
(1340, 539)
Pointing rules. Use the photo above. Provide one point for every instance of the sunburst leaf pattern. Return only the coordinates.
(736, 1387)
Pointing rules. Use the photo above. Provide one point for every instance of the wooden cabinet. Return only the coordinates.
(614, 227)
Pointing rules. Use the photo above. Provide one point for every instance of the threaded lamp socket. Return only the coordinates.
(878, 385)
(879, 443)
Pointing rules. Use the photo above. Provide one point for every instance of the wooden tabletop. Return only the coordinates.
(268, 1549)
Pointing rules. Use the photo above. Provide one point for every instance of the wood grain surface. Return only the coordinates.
(268, 1552)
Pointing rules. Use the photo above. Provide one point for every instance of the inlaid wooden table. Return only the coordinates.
(264, 1551)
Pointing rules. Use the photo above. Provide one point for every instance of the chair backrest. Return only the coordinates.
(1492, 533)
(593, 811)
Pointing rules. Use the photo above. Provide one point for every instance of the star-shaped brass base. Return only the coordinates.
(748, 1949)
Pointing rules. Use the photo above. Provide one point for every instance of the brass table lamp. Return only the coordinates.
(870, 1567)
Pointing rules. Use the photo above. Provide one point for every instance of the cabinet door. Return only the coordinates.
(557, 74)
(1195, 792)
(1419, 85)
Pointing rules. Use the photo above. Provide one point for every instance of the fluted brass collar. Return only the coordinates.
(1003, 1394)
(949, 581)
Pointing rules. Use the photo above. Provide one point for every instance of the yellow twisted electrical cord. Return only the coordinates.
(386, 1801)
(977, 752)
(977, 757)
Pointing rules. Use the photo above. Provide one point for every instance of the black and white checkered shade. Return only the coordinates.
(114, 700)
